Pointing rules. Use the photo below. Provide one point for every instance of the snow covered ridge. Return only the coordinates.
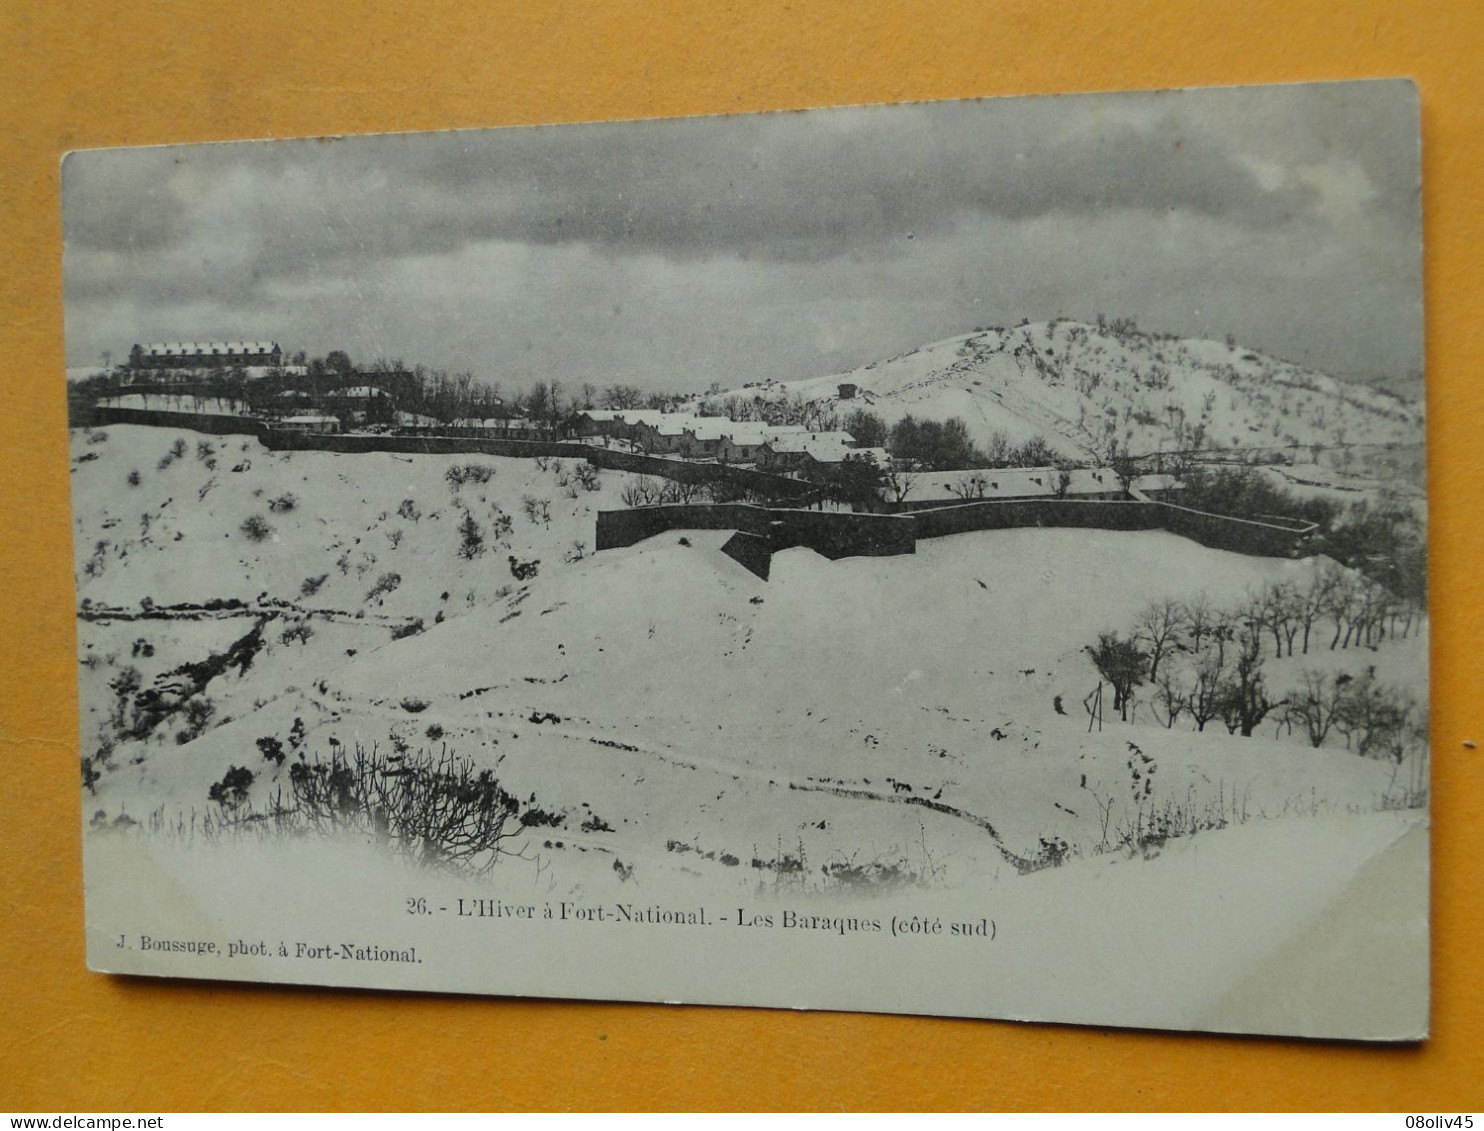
(1083, 388)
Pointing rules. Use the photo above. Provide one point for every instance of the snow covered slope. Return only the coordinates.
(1082, 389)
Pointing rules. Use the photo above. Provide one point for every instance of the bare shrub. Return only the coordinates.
(231, 792)
(256, 528)
(385, 584)
(460, 474)
(436, 810)
(537, 510)
(300, 632)
(471, 538)
(640, 492)
(271, 749)
(283, 504)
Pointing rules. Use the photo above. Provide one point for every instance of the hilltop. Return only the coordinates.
(1082, 388)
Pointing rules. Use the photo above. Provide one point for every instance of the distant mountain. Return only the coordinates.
(1084, 388)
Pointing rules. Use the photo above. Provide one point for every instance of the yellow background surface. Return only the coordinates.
(99, 74)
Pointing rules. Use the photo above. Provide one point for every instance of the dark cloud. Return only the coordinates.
(870, 190)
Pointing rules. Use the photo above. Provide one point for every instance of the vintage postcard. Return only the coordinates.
(962, 558)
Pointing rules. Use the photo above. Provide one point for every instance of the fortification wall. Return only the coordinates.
(830, 534)
(624, 528)
(1015, 513)
(192, 421)
(843, 535)
(355, 444)
(1221, 532)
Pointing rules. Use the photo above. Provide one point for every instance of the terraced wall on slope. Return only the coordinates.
(837, 535)
(832, 534)
(159, 418)
(279, 439)
(1221, 532)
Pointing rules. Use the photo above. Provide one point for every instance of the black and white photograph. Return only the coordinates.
(961, 558)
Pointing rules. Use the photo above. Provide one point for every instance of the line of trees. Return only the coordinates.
(1206, 664)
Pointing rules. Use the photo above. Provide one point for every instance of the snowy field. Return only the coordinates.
(871, 737)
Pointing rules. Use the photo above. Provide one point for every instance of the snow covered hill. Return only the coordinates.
(665, 712)
(1083, 389)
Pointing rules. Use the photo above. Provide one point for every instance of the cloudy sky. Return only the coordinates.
(671, 254)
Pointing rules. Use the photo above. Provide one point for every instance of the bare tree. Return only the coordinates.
(1200, 621)
(1121, 663)
(1317, 704)
(898, 482)
(974, 485)
(1171, 694)
(1244, 701)
(623, 396)
(1204, 700)
(1158, 628)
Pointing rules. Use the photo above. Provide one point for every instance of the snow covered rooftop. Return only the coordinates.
(191, 349)
(711, 429)
(650, 416)
(811, 442)
(747, 435)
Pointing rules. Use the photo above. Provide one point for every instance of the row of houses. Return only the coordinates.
(776, 447)
(204, 355)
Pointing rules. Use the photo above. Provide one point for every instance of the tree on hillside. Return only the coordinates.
(1171, 695)
(471, 538)
(933, 445)
(1035, 452)
(540, 402)
(998, 449)
(1204, 700)
(1243, 700)
(898, 482)
(1199, 619)
(857, 480)
(622, 397)
(869, 430)
(1158, 628)
(1317, 703)
(1378, 721)
(1121, 663)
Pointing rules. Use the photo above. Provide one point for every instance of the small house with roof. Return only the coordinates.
(743, 443)
(798, 451)
(703, 438)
